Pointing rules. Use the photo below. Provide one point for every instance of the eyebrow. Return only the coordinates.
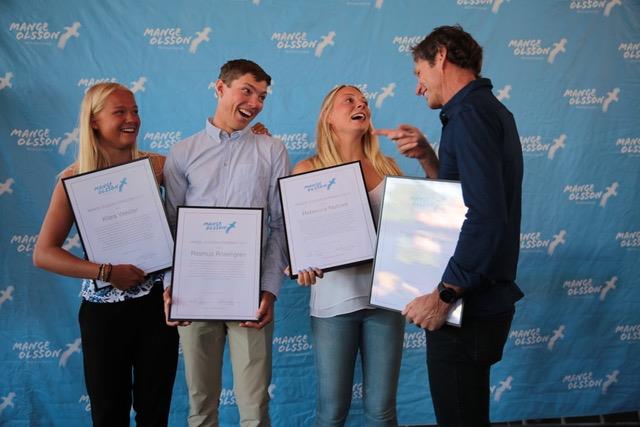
(255, 89)
(355, 95)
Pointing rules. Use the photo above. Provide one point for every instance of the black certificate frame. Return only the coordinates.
(258, 260)
(66, 182)
(286, 218)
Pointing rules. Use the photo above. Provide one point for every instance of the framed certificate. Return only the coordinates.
(120, 218)
(420, 221)
(327, 217)
(216, 264)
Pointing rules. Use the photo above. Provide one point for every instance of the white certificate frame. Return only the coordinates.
(418, 230)
(217, 264)
(338, 231)
(121, 223)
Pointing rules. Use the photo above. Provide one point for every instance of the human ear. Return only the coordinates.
(219, 88)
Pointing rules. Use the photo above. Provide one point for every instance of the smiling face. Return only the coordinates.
(117, 124)
(350, 111)
(239, 103)
(429, 82)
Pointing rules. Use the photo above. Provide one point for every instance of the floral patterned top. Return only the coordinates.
(111, 294)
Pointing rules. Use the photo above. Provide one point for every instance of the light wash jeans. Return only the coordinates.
(378, 335)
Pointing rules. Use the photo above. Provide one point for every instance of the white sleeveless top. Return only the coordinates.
(346, 290)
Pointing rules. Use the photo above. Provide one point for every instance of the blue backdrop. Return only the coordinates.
(568, 70)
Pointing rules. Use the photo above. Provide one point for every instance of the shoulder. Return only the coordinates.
(270, 141)
(305, 165)
(71, 170)
(182, 150)
(157, 161)
(185, 144)
(393, 165)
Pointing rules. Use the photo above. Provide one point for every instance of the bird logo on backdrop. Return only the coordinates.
(201, 37)
(496, 5)
(72, 348)
(558, 143)
(387, 91)
(608, 286)
(138, 85)
(6, 295)
(69, 138)
(326, 41)
(504, 93)
(7, 401)
(502, 388)
(610, 5)
(612, 378)
(558, 239)
(5, 187)
(611, 192)
(72, 242)
(558, 334)
(611, 97)
(71, 31)
(6, 80)
(557, 48)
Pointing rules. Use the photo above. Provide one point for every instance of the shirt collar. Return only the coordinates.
(451, 106)
(219, 136)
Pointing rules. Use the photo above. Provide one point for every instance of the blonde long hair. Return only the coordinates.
(327, 151)
(91, 155)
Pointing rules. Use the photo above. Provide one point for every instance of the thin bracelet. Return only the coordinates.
(106, 279)
(100, 272)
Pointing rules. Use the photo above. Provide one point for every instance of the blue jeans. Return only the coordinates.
(459, 363)
(378, 335)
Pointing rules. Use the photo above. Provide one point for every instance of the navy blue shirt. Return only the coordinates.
(480, 147)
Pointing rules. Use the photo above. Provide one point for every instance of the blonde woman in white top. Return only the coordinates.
(342, 322)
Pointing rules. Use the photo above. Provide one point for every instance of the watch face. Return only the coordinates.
(447, 295)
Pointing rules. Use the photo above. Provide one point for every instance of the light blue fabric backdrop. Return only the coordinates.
(568, 70)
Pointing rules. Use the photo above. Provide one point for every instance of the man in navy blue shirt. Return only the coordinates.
(481, 148)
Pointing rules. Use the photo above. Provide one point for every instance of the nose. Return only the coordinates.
(255, 101)
(132, 116)
(419, 89)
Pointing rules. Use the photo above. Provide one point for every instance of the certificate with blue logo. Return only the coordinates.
(120, 217)
(327, 217)
(216, 267)
(420, 221)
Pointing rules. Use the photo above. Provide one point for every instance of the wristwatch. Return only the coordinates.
(447, 295)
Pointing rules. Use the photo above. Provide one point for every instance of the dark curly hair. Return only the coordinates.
(462, 49)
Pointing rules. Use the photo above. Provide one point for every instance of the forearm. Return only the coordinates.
(430, 166)
(274, 263)
(60, 261)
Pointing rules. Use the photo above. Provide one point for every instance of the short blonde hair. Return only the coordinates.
(90, 155)
(327, 152)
